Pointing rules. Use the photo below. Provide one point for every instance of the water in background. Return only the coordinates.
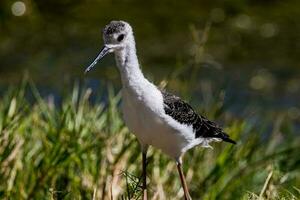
(250, 50)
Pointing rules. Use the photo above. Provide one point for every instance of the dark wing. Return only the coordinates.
(185, 114)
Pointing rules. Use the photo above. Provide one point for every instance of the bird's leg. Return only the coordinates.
(183, 183)
(144, 175)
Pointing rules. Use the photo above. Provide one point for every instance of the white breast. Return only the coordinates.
(145, 116)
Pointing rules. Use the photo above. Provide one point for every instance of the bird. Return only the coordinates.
(156, 117)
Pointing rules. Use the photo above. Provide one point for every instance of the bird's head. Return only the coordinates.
(116, 36)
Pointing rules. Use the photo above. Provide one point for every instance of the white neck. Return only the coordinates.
(128, 65)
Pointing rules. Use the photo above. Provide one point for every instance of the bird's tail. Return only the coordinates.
(225, 138)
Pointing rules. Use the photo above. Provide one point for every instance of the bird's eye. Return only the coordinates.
(120, 37)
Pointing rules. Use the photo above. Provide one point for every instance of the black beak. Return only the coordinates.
(102, 53)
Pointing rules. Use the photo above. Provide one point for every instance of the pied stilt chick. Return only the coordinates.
(156, 117)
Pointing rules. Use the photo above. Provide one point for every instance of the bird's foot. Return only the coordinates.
(145, 194)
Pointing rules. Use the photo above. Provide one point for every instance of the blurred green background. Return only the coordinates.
(235, 61)
(251, 48)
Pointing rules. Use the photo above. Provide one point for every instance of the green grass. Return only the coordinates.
(81, 150)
